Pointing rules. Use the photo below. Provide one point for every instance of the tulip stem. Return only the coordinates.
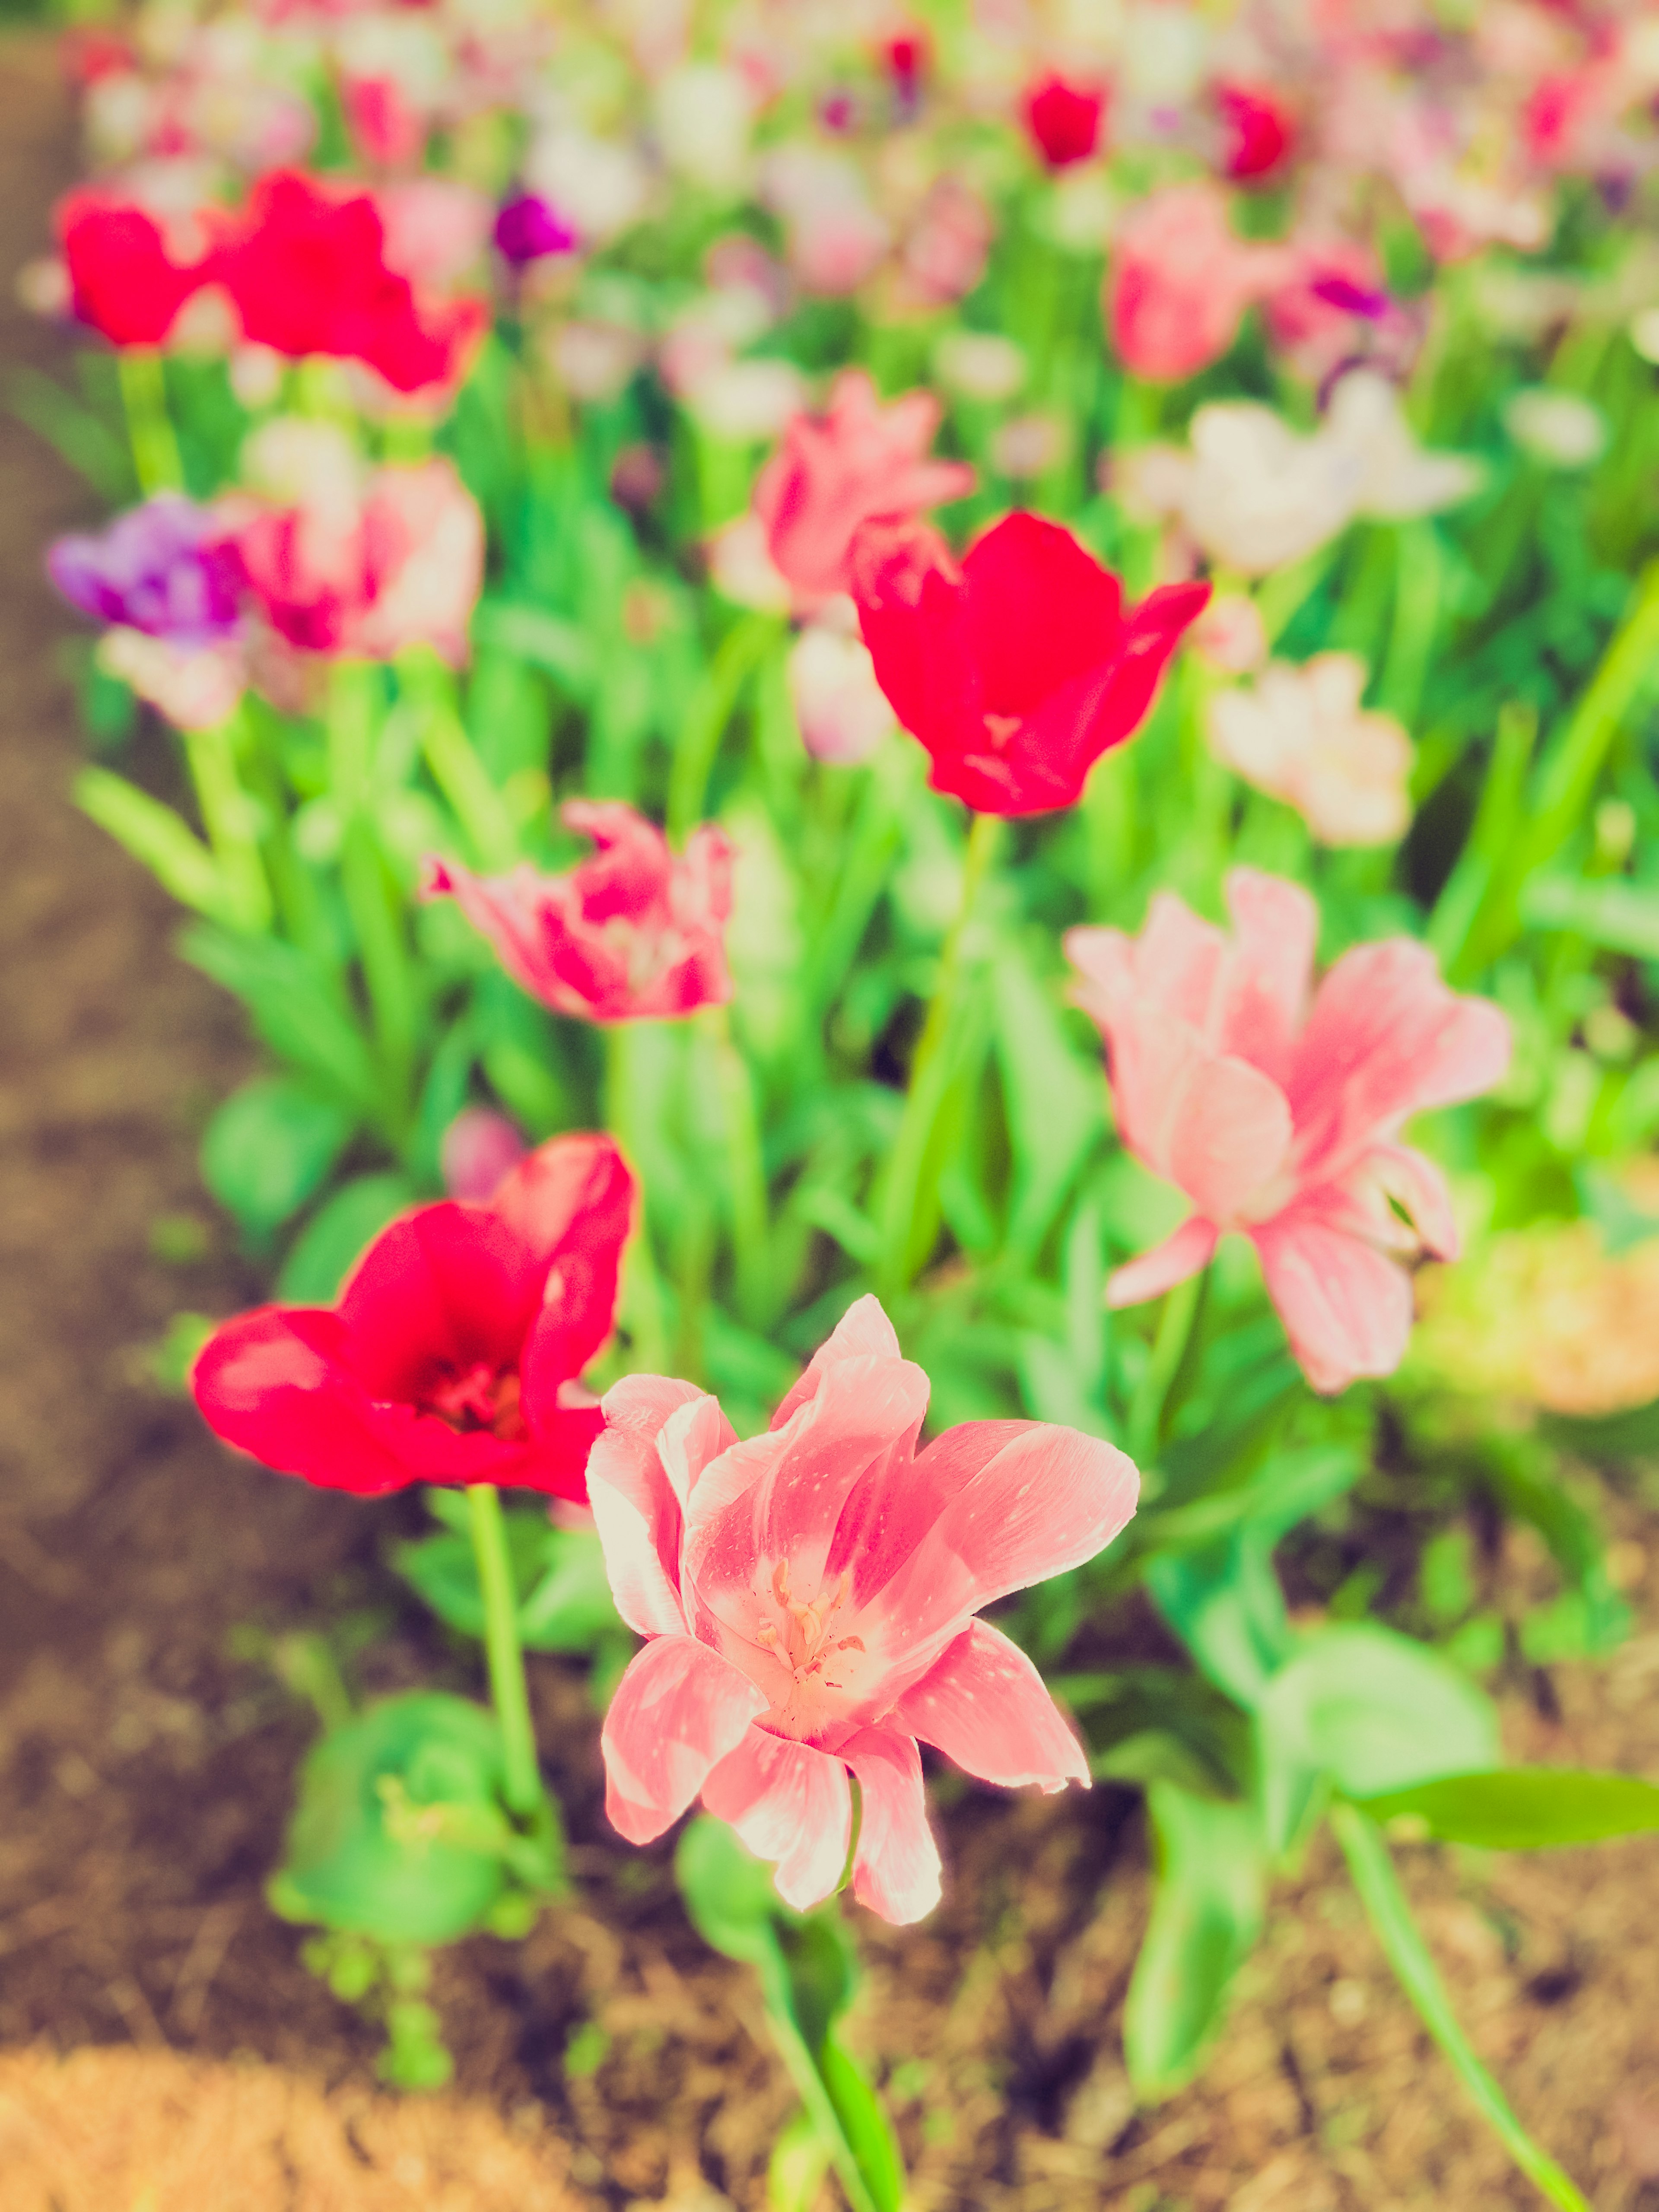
(521, 1785)
(155, 459)
(1171, 1347)
(924, 1092)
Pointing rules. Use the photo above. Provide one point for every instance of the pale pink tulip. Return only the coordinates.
(809, 1598)
(1300, 734)
(860, 462)
(1281, 1119)
(1181, 280)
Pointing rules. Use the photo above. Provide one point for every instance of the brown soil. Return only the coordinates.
(146, 1770)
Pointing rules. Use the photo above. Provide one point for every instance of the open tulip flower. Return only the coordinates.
(809, 1597)
(633, 933)
(1019, 669)
(1279, 1118)
(453, 1352)
(860, 462)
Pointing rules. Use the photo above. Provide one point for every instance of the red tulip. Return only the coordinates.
(453, 1353)
(124, 280)
(1260, 130)
(635, 933)
(1064, 119)
(308, 275)
(1018, 670)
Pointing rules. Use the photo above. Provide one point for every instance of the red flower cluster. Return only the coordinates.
(453, 1352)
(303, 265)
(1018, 670)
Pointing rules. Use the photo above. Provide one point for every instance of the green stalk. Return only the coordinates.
(456, 768)
(1372, 1867)
(508, 1691)
(1182, 1304)
(228, 816)
(711, 708)
(149, 426)
(922, 1094)
(641, 1308)
(745, 1167)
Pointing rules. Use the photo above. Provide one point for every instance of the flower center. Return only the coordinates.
(480, 1398)
(800, 1638)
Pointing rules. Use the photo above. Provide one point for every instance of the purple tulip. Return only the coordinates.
(165, 568)
(527, 229)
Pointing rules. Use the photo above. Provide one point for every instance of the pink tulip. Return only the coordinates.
(633, 933)
(1180, 282)
(860, 462)
(809, 1600)
(1281, 1119)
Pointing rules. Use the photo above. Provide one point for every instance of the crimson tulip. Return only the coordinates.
(453, 1352)
(1019, 669)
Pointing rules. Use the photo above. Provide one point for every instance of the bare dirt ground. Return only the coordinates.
(144, 1768)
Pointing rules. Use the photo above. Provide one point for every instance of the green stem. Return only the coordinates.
(456, 768)
(743, 646)
(922, 1094)
(149, 426)
(746, 1168)
(508, 1692)
(1171, 1347)
(1374, 1876)
(640, 1309)
(229, 818)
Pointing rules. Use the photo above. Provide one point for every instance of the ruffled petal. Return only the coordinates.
(571, 1201)
(273, 1383)
(1226, 1133)
(863, 1331)
(1191, 1247)
(896, 1870)
(1265, 994)
(985, 1706)
(1346, 1307)
(677, 1712)
(635, 1507)
(790, 1804)
(1413, 1180)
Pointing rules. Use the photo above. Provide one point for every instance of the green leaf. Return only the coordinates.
(1154, 1723)
(336, 1235)
(1372, 1710)
(269, 1148)
(564, 1596)
(294, 1007)
(1378, 1885)
(1207, 1915)
(1611, 911)
(1225, 1604)
(530, 633)
(157, 839)
(799, 2160)
(398, 1832)
(1525, 1809)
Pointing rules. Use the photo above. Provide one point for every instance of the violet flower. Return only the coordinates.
(168, 568)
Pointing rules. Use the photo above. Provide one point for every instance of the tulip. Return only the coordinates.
(1064, 119)
(168, 569)
(809, 1602)
(125, 280)
(453, 1353)
(632, 934)
(1299, 735)
(1018, 670)
(1279, 1118)
(367, 574)
(1181, 281)
(307, 273)
(860, 462)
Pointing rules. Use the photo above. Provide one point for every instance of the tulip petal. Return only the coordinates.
(635, 1507)
(1048, 1499)
(444, 1288)
(1226, 1132)
(1385, 1039)
(571, 1201)
(1275, 930)
(984, 1705)
(676, 1712)
(1346, 1307)
(1192, 1247)
(1041, 611)
(896, 1871)
(273, 1383)
(1415, 1182)
(790, 1804)
(863, 1329)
